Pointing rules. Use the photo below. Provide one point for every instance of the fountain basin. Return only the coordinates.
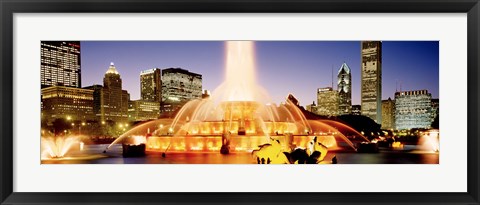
(132, 150)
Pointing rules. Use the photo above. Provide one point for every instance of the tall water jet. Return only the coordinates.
(240, 82)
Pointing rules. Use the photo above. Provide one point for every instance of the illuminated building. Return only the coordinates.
(371, 80)
(178, 87)
(356, 110)
(344, 90)
(293, 99)
(413, 109)
(67, 103)
(151, 85)
(206, 94)
(312, 107)
(327, 102)
(110, 101)
(140, 110)
(435, 108)
(60, 63)
(388, 114)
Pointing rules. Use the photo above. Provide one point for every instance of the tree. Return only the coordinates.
(59, 125)
(362, 124)
(436, 123)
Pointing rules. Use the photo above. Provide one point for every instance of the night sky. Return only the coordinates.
(283, 67)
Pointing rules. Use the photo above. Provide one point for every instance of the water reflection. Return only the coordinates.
(114, 156)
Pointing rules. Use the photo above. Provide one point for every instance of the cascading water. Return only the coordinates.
(239, 111)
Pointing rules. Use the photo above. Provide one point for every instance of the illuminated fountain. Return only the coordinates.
(65, 148)
(57, 147)
(429, 140)
(238, 117)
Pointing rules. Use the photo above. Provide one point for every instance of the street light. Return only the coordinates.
(73, 126)
(80, 128)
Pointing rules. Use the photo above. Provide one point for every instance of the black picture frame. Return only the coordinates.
(10, 7)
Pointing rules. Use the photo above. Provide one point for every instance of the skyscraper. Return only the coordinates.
(356, 110)
(206, 94)
(435, 107)
(327, 102)
(413, 109)
(151, 85)
(371, 80)
(67, 103)
(140, 110)
(60, 63)
(388, 114)
(178, 87)
(311, 107)
(110, 101)
(344, 90)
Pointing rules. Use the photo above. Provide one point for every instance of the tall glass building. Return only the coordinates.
(110, 101)
(60, 64)
(371, 80)
(178, 87)
(388, 114)
(344, 90)
(151, 85)
(413, 109)
(327, 102)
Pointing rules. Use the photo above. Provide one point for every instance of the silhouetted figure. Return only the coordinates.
(299, 155)
(225, 149)
(258, 160)
(334, 159)
(313, 159)
(268, 160)
(163, 155)
(263, 160)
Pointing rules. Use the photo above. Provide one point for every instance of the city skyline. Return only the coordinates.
(413, 64)
(171, 115)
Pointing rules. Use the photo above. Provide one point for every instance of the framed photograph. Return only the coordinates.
(123, 102)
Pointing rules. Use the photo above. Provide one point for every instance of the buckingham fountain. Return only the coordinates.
(238, 123)
(239, 117)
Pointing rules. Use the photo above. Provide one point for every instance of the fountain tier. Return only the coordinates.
(238, 117)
